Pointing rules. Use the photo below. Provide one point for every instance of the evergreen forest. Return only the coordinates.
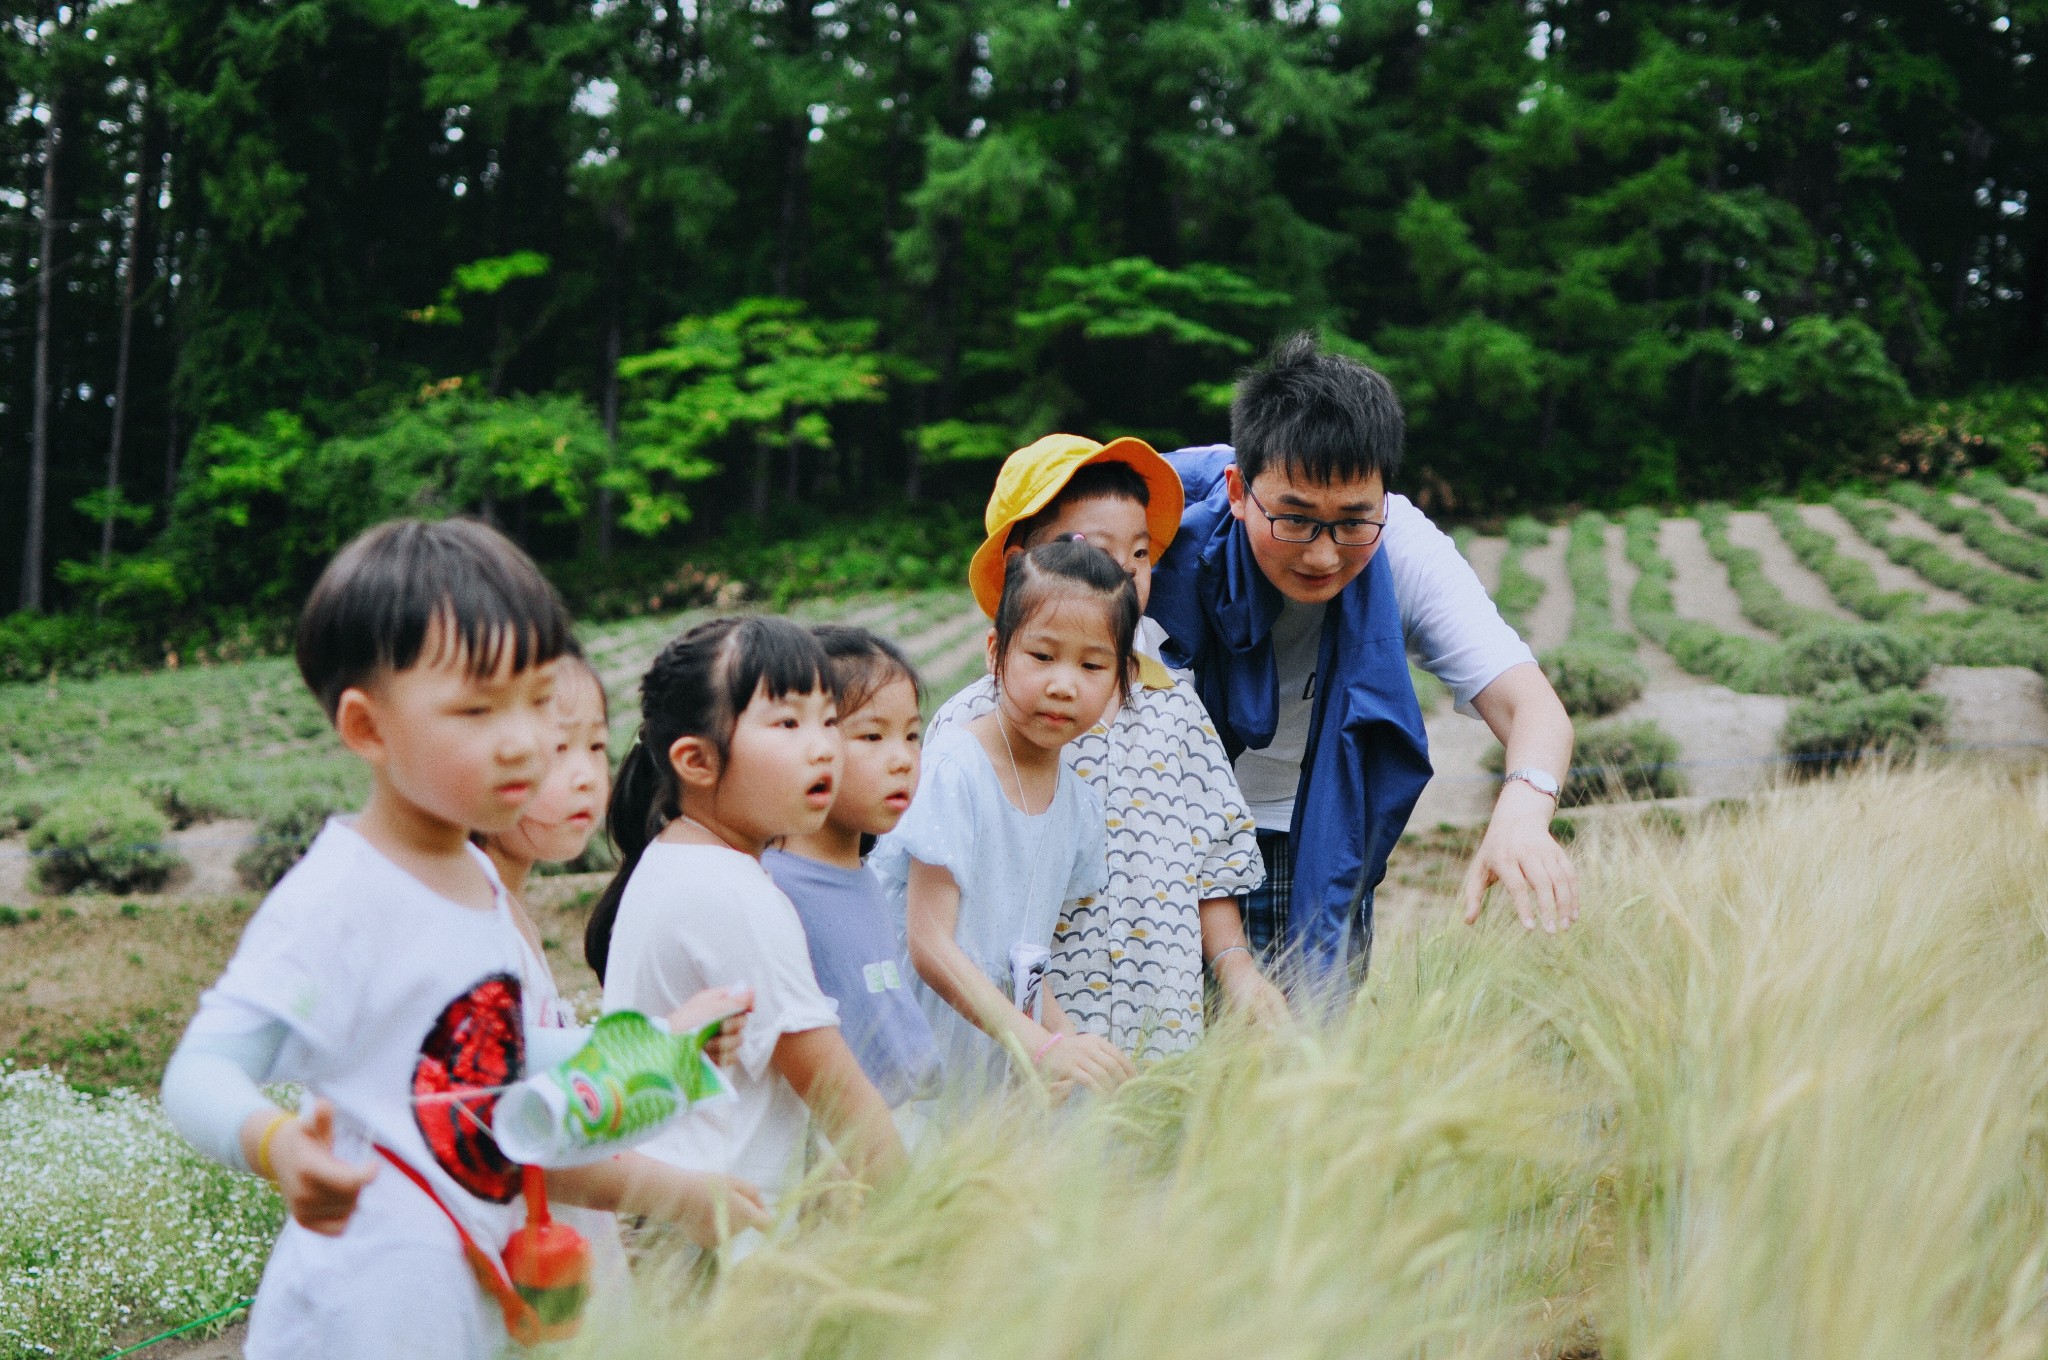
(635, 277)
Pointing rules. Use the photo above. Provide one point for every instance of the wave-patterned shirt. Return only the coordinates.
(1127, 964)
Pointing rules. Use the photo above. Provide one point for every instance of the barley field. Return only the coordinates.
(1783, 1092)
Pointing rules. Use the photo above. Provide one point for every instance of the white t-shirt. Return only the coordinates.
(390, 992)
(1452, 627)
(1270, 775)
(697, 916)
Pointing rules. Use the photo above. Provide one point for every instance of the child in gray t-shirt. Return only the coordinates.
(854, 944)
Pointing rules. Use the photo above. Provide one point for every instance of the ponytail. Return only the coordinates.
(697, 687)
(642, 797)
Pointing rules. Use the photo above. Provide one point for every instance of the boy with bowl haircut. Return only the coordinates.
(385, 971)
(1294, 591)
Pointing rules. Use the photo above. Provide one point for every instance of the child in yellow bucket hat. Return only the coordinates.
(1128, 965)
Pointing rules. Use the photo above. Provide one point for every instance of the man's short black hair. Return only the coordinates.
(1318, 417)
(1091, 482)
(371, 609)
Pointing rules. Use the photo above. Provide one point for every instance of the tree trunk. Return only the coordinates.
(614, 345)
(137, 216)
(39, 438)
(792, 235)
(759, 499)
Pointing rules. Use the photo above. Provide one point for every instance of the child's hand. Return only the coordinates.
(1251, 995)
(730, 1004)
(741, 1201)
(318, 1187)
(689, 1200)
(1090, 1060)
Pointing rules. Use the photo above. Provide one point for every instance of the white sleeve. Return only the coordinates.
(1451, 624)
(209, 1088)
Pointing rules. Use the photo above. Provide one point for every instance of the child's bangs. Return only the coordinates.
(456, 586)
(773, 657)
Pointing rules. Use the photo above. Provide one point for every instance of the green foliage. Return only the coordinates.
(1845, 723)
(1136, 299)
(1594, 679)
(1519, 590)
(108, 839)
(1872, 656)
(36, 645)
(2005, 427)
(1990, 588)
(1852, 583)
(282, 839)
(920, 547)
(1746, 664)
(263, 509)
(1622, 761)
(764, 369)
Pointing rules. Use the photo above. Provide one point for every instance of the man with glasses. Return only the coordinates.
(1295, 591)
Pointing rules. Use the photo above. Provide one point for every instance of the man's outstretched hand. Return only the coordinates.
(1520, 855)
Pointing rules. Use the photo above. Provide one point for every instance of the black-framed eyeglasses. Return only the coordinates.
(1345, 533)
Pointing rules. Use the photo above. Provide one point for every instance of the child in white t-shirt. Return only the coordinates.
(385, 971)
(738, 747)
(555, 826)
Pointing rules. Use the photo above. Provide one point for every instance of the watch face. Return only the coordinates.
(1537, 779)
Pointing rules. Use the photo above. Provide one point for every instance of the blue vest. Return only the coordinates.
(1368, 757)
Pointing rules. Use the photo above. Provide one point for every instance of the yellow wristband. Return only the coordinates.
(263, 1144)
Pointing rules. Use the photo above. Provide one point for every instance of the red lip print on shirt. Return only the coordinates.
(477, 1045)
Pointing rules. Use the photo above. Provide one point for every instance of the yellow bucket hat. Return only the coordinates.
(1034, 474)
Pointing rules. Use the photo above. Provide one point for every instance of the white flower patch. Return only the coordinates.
(111, 1227)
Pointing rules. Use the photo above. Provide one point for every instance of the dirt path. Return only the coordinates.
(1728, 741)
(1905, 522)
(1699, 584)
(1462, 790)
(1551, 619)
(1485, 555)
(1890, 575)
(1753, 529)
(1994, 706)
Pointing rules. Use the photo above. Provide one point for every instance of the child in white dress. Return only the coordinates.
(1003, 833)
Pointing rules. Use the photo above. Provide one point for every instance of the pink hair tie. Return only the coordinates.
(1048, 1046)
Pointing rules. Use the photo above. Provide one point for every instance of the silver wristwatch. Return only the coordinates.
(1539, 780)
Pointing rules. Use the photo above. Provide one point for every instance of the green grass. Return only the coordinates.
(245, 739)
(2021, 513)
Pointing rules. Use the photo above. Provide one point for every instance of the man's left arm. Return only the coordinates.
(1518, 852)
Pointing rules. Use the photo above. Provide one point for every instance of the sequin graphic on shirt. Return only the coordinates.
(476, 1048)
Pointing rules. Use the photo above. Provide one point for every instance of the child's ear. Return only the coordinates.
(695, 761)
(995, 662)
(355, 722)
